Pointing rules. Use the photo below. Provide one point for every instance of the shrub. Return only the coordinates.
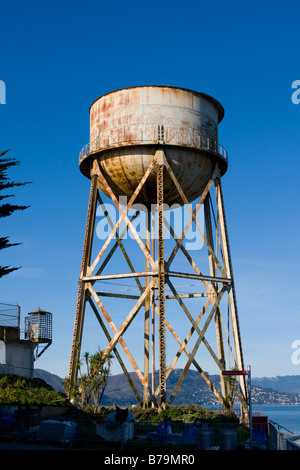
(21, 391)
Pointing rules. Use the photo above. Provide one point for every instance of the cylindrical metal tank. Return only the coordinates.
(205, 438)
(228, 439)
(127, 127)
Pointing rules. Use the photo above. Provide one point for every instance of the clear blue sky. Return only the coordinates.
(57, 57)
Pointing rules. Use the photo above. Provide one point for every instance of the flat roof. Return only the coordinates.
(221, 111)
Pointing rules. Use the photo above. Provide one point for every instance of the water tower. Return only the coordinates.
(153, 148)
(17, 355)
(38, 329)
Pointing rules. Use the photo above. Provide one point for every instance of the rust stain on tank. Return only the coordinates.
(128, 126)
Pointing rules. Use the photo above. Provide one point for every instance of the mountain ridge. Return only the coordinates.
(194, 390)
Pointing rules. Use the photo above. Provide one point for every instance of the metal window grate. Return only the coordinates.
(38, 326)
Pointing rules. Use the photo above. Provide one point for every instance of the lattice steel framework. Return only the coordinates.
(218, 283)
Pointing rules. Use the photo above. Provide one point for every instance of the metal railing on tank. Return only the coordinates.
(158, 134)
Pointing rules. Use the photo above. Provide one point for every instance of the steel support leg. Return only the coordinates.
(147, 314)
(161, 277)
(231, 293)
(86, 258)
(213, 272)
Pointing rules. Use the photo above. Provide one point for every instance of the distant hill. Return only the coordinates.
(119, 391)
(194, 390)
(51, 379)
(285, 383)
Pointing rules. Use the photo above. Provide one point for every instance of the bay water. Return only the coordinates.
(287, 416)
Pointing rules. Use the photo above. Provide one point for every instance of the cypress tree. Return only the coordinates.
(7, 209)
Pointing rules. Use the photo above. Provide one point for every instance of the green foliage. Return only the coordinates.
(178, 414)
(17, 390)
(187, 414)
(232, 387)
(89, 390)
(6, 209)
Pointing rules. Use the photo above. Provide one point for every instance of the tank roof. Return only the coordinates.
(221, 111)
(38, 310)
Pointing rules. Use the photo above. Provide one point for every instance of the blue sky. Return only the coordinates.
(58, 57)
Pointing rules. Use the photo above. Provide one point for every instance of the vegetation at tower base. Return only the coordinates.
(187, 414)
(6, 209)
(15, 390)
(87, 393)
(232, 387)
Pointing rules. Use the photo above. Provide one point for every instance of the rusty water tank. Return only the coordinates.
(127, 127)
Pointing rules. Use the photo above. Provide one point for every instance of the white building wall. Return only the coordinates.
(2, 352)
(17, 358)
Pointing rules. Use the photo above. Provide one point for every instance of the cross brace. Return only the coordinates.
(157, 276)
